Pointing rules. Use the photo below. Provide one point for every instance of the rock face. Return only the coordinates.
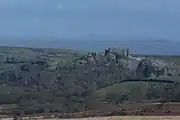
(120, 51)
(116, 57)
(110, 55)
(149, 68)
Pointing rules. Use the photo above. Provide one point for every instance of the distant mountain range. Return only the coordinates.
(99, 43)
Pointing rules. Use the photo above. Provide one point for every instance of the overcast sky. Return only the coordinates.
(76, 18)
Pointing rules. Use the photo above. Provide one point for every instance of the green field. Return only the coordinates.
(138, 89)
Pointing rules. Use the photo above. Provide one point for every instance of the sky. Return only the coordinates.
(80, 18)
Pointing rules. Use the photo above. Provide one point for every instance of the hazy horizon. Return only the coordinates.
(81, 24)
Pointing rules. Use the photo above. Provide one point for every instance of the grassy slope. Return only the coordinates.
(121, 88)
(54, 56)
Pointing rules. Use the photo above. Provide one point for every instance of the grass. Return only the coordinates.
(120, 88)
(54, 57)
(6, 67)
(128, 87)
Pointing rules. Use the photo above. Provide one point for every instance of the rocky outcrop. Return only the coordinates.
(116, 57)
(104, 68)
(149, 68)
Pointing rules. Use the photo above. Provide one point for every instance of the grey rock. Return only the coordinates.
(149, 68)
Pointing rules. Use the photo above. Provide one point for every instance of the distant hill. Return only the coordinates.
(97, 43)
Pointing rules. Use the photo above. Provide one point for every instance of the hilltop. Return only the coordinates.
(38, 80)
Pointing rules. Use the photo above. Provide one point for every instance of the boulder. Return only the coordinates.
(149, 68)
